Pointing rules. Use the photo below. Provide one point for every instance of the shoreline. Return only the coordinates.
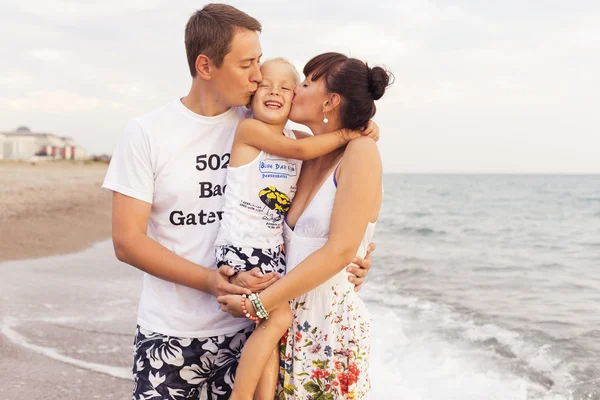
(66, 326)
(52, 208)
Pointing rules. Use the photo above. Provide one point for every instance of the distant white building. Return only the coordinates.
(23, 144)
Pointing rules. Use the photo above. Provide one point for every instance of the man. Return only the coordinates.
(168, 177)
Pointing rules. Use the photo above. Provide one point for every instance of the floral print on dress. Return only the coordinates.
(324, 355)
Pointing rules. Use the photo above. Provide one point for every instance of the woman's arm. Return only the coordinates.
(360, 267)
(357, 202)
(255, 133)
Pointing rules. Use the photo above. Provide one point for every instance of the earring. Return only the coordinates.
(325, 120)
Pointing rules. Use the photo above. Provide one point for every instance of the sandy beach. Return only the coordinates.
(56, 333)
(51, 208)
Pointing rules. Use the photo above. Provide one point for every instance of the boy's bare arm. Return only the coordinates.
(371, 130)
(256, 134)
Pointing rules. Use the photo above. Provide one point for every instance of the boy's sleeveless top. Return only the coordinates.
(257, 198)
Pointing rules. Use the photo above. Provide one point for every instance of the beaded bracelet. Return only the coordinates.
(245, 310)
(258, 306)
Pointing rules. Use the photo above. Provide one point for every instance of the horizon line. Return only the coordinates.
(487, 173)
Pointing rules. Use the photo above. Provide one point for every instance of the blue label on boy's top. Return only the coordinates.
(271, 168)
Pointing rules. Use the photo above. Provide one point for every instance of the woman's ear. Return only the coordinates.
(332, 102)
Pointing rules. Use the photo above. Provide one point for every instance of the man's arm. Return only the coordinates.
(133, 246)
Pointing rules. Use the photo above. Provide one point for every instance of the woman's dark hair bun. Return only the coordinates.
(379, 80)
(352, 79)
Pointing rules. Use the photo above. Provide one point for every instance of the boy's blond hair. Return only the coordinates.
(285, 61)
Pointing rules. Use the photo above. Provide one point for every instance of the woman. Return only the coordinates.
(331, 221)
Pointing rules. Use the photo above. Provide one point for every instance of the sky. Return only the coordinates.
(482, 86)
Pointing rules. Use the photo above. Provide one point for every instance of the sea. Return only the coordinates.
(483, 287)
(487, 287)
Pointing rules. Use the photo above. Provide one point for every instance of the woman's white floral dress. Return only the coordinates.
(325, 355)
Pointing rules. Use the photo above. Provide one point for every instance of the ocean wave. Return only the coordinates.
(546, 246)
(499, 348)
(594, 333)
(414, 359)
(591, 244)
(407, 272)
(422, 231)
(531, 355)
(7, 328)
(418, 214)
(550, 266)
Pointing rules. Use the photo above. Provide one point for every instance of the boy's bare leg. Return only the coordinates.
(268, 380)
(258, 350)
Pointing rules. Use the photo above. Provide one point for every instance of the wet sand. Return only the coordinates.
(66, 322)
(67, 325)
(51, 208)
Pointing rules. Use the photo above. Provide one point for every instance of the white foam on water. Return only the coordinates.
(410, 362)
(426, 367)
(7, 329)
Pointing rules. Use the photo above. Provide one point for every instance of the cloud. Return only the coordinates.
(15, 79)
(46, 54)
(58, 102)
(480, 86)
(69, 9)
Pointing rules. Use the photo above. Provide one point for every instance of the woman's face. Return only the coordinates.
(307, 106)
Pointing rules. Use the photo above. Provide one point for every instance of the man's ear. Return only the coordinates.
(332, 102)
(204, 67)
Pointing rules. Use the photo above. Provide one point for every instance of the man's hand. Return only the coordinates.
(360, 268)
(254, 280)
(219, 285)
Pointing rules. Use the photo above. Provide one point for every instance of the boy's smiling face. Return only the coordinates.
(273, 99)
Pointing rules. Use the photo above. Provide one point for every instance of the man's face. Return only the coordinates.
(237, 78)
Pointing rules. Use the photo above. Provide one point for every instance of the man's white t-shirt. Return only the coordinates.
(177, 161)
